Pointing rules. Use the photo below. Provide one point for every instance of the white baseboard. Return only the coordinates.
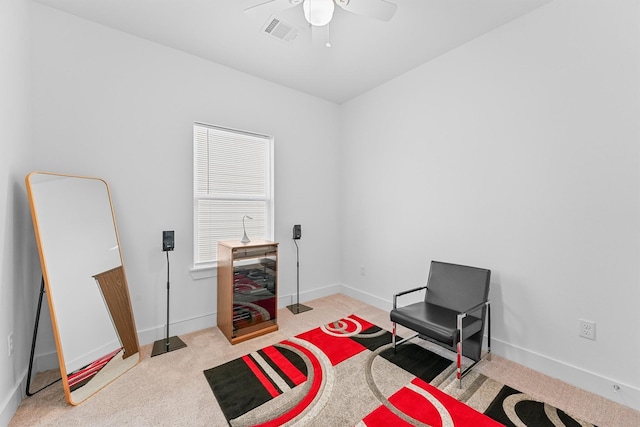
(185, 326)
(45, 361)
(309, 295)
(367, 298)
(626, 395)
(10, 404)
(179, 327)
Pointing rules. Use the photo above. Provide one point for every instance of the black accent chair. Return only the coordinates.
(452, 314)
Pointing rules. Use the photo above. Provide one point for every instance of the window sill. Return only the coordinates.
(200, 273)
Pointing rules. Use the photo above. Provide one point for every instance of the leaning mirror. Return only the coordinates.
(85, 281)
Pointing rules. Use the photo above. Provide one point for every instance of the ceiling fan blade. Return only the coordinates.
(378, 9)
(320, 36)
(269, 7)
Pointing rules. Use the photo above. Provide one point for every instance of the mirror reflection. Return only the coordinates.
(85, 280)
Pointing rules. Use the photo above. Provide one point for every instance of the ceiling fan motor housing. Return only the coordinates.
(318, 12)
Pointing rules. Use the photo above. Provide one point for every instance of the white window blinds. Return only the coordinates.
(232, 178)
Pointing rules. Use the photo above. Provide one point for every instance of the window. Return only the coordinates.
(232, 177)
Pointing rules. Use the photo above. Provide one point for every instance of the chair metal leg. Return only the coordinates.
(459, 350)
(459, 364)
(489, 330)
(393, 337)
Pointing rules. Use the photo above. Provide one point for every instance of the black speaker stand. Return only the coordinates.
(168, 344)
(298, 308)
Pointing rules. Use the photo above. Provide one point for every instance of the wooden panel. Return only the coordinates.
(233, 255)
(225, 290)
(261, 331)
(113, 285)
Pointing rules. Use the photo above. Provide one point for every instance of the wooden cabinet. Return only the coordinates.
(247, 289)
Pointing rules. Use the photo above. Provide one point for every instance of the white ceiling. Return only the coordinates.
(364, 54)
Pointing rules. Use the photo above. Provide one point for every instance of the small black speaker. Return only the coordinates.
(297, 232)
(167, 241)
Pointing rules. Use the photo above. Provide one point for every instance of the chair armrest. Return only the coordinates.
(406, 292)
(474, 308)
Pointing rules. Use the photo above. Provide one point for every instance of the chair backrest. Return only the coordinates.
(457, 287)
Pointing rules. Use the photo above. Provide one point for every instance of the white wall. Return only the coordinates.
(18, 292)
(117, 107)
(517, 152)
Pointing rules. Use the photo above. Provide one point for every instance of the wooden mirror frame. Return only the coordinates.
(86, 286)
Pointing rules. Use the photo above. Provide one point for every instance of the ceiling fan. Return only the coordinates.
(318, 13)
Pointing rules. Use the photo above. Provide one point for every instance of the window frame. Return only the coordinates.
(269, 221)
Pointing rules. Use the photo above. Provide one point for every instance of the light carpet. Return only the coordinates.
(346, 374)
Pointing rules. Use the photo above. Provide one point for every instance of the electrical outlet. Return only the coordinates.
(363, 270)
(10, 344)
(587, 329)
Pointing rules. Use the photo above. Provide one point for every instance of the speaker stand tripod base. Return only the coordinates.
(298, 308)
(165, 346)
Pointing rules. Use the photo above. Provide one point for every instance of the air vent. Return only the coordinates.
(281, 30)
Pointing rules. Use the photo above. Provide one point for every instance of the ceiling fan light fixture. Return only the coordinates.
(318, 12)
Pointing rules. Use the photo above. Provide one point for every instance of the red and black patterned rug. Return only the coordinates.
(346, 374)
